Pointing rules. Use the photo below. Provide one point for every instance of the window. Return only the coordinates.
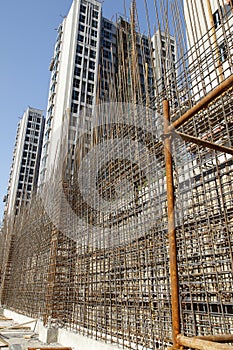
(94, 33)
(74, 108)
(108, 25)
(80, 37)
(93, 43)
(107, 54)
(91, 65)
(76, 83)
(85, 63)
(90, 87)
(216, 19)
(95, 14)
(82, 18)
(75, 95)
(89, 100)
(107, 34)
(145, 41)
(92, 54)
(82, 8)
(83, 86)
(77, 71)
(90, 76)
(222, 52)
(81, 27)
(79, 49)
(94, 24)
(107, 44)
(83, 97)
(78, 60)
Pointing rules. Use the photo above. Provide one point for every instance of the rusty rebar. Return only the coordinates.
(205, 143)
(171, 228)
(204, 102)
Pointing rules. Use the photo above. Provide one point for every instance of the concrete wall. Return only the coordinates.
(65, 338)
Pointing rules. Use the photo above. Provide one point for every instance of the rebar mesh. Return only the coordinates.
(112, 282)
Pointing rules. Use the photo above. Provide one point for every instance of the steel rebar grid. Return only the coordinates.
(218, 91)
(123, 294)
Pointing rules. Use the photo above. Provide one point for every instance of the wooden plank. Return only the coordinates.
(14, 328)
(3, 318)
(19, 326)
(3, 343)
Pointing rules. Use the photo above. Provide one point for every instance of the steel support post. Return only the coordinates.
(171, 229)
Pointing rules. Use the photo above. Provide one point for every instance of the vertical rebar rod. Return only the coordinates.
(171, 229)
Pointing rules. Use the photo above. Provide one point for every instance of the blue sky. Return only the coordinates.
(27, 37)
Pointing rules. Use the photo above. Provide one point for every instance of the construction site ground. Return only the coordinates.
(14, 336)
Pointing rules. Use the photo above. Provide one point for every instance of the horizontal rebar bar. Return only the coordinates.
(205, 143)
(204, 102)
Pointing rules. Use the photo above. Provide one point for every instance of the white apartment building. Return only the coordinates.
(82, 70)
(209, 36)
(25, 163)
(74, 74)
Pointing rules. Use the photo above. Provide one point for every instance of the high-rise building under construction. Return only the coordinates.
(26, 161)
(86, 67)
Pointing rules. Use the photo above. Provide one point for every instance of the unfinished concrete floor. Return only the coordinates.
(14, 336)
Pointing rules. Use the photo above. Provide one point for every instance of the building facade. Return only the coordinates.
(74, 74)
(209, 38)
(85, 69)
(25, 163)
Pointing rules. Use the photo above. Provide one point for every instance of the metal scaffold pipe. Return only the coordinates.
(218, 91)
(171, 229)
